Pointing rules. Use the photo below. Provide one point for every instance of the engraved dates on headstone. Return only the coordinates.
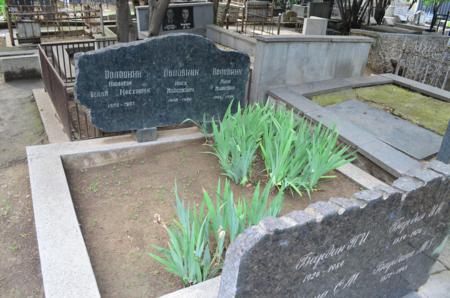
(376, 244)
(160, 81)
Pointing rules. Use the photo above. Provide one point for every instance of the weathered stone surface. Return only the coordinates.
(159, 81)
(439, 167)
(444, 151)
(401, 134)
(387, 48)
(384, 249)
(146, 134)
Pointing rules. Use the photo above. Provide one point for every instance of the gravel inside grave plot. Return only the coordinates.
(116, 205)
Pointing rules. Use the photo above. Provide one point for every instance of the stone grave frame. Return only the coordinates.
(391, 160)
(65, 264)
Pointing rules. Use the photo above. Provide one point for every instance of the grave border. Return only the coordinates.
(65, 264)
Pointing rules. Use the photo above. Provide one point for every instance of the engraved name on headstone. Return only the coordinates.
(160, 81)
(379, 243)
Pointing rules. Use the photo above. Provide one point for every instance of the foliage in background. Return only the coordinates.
(380, 10)
(236, 140)
(192, 254)
(2, 7)
(352, 13)
(435, 5)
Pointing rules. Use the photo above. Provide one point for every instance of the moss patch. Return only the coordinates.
(422, 110)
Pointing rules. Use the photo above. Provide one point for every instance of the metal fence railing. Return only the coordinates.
(61, 55)
(56, 89)
(58, 74)
(425, 63)
(36, 20)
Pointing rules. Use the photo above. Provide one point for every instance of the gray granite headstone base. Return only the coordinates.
(146, 134)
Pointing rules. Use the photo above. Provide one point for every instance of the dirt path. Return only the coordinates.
(20, 126)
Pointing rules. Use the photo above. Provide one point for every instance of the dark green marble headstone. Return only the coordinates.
(160, 81)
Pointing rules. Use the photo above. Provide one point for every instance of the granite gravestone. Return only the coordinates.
(444, 151)
(379, 243)
(160, 81)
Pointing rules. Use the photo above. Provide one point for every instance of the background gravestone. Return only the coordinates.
(376, 244)
(160, 81)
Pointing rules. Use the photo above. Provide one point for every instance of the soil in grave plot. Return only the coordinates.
(425, 111)
(116, 205)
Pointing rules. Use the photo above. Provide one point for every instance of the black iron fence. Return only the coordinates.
(58, 73)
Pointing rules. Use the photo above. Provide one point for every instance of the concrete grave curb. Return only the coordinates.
(65, 264)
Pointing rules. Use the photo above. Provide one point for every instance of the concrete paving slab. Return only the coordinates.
(206, 289)
(313, 88)
(444, 257)
(413, 295)
(388, 158)
(437, 286)
(293, 99)
(438, 267)
(49, 116)
(416, 141)
(367, 81)
(351, 133)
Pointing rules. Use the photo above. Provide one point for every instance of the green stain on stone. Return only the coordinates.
(422, 110)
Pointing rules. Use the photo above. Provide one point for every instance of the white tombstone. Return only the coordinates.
(390, 21)
(315, 26)
(300, 10)
(390, 11)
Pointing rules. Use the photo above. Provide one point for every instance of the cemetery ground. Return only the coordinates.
(102, 205)
(20, 125)
(114, 209)
(117, 204)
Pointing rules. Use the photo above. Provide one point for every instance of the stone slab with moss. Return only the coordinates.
(422, 110)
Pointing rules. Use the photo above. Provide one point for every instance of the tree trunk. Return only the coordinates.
(225, 12)
(215, 9)
(123, 20)
(158, 12)
(434, 19)
(330, 11)
(379, 14)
